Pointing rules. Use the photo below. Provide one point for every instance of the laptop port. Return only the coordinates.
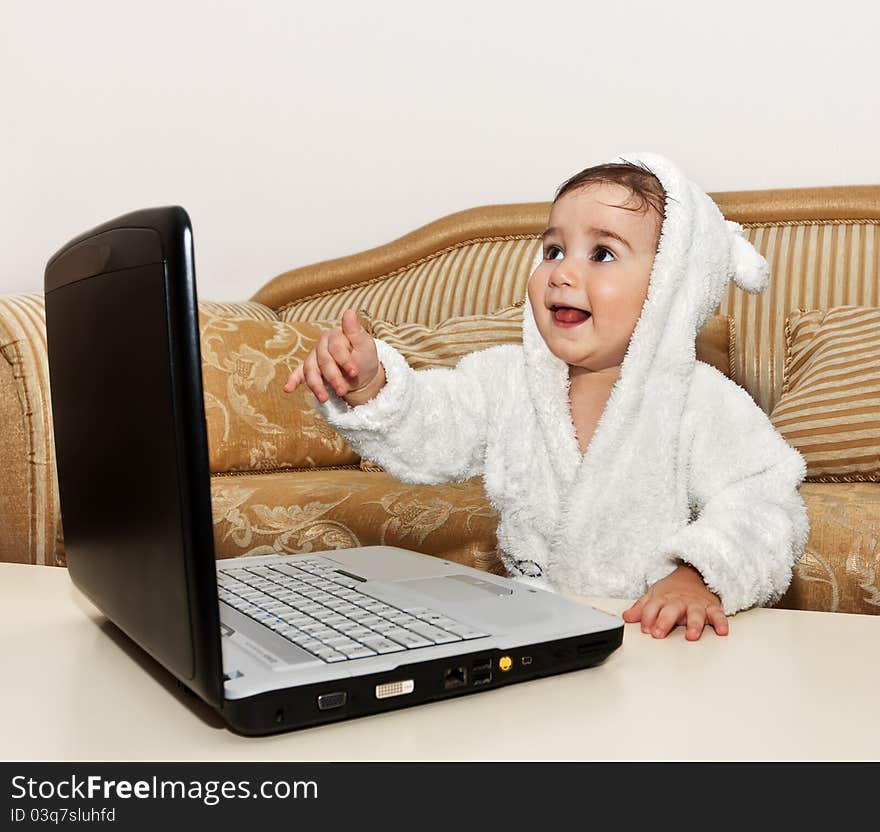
(390, 689)
(454, 677)
(328, 701)
(596, 645)
(526, 661)
(481, 671)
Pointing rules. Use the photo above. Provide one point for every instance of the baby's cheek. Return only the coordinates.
(534, 289)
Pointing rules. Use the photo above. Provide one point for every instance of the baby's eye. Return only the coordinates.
(600, 249)
(548, 255)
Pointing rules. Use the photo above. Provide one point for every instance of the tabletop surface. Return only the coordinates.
(783, 685)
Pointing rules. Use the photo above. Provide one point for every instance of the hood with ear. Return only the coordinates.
(698, 253)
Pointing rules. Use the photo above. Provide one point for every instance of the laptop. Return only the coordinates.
(272, 642)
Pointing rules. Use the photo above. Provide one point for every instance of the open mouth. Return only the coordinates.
(569, 315)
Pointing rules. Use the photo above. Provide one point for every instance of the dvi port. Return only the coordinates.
(389, 689)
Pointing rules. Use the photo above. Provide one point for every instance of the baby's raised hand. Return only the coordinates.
(345, 358)
(679, 598)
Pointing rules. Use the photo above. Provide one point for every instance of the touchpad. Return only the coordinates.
(456, 589)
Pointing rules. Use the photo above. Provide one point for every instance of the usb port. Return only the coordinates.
(481, 672)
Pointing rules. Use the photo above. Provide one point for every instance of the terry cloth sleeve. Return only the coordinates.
(752, 525)
(424, 426)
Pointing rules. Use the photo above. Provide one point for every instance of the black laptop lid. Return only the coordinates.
(130, 437)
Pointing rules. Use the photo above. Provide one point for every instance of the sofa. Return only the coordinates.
(283, 481)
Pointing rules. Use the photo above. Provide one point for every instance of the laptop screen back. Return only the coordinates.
(128, 423)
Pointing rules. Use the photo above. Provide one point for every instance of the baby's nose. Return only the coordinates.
(560, 277)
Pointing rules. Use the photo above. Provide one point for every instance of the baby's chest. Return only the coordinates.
(586, 411)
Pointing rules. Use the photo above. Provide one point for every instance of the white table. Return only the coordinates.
(783, 685)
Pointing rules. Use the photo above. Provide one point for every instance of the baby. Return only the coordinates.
(619, 464)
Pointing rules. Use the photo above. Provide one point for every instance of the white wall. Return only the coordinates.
(294, 132)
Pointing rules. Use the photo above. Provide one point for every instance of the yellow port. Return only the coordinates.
(505, 663)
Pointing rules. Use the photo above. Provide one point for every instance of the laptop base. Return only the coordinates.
(413, 684)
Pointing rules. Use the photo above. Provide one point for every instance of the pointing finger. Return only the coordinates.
(352, 328)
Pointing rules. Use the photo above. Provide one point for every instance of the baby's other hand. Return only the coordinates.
(345, 358)
(679, 598)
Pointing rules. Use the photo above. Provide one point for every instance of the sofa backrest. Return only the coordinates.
(822, 244)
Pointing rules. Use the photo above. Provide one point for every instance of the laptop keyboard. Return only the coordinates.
(322, 611)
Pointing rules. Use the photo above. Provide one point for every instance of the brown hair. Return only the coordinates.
(640, 180)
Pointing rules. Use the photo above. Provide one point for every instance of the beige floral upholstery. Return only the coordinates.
(840, 570)
(252, 423)
(310, 511)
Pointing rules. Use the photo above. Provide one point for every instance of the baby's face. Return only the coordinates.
(586, 268)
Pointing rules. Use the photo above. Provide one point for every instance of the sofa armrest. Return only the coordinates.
(30, 518)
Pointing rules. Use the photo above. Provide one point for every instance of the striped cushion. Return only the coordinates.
(444, 345)
(829, 409)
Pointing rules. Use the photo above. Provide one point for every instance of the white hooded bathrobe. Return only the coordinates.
(682, 466)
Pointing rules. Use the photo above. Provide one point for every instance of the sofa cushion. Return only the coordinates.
(310, 511)
(237, 309)
(829, 409)
(446, 343)
(715, 344)
(252, 423)
(840, 569)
